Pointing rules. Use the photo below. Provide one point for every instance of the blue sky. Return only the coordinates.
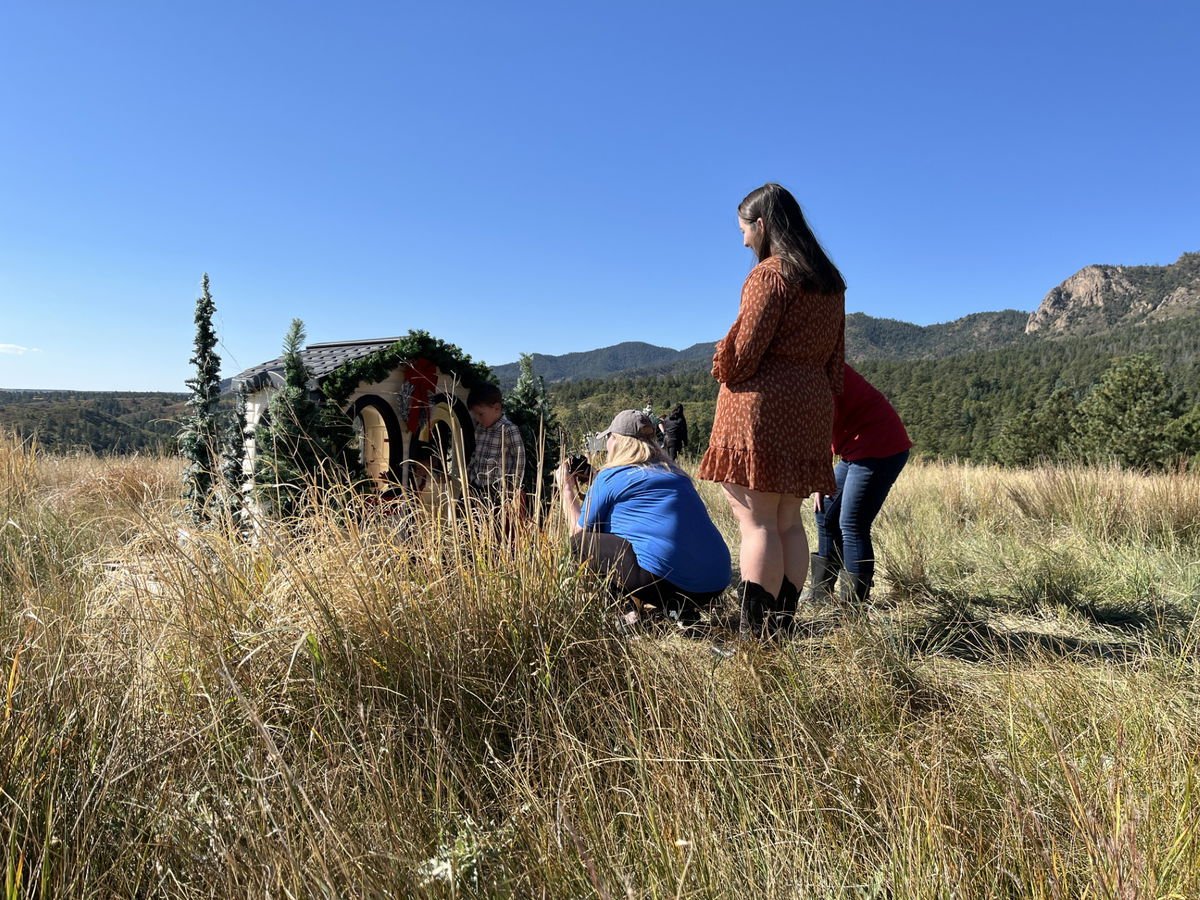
(559, 177)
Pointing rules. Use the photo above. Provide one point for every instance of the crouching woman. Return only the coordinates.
(643, 521)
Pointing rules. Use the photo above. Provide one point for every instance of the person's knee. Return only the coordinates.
(791, 530)
(850, 518)
(765, 517)
(791, 516)
(854, 535)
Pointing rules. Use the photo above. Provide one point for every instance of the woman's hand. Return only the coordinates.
(715, 371)
(564, 480)
(568, 492)
(816, 499)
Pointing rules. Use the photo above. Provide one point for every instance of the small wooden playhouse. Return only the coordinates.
(406, 397)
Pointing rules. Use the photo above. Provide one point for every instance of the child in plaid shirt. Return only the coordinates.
(498, 463)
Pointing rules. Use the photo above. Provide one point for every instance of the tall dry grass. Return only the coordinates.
(409, 705)
(1088, 547)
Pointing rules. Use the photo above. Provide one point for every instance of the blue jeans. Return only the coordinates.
(845, 518)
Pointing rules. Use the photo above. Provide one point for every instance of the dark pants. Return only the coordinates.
(607, 553)
(672, 450)
(845, 518)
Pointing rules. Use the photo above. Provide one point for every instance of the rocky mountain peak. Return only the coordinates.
(1097, 298)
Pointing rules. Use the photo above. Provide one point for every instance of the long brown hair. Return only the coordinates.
(786, 234)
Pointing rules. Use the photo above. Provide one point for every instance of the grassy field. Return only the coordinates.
(365, 706)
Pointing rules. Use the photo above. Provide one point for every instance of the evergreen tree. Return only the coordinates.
(1184, 433)
(304, 442)
(1041, 434)
(529, 408)
(1126, 417)
(232, 467)
(199, 437)
(282, 451)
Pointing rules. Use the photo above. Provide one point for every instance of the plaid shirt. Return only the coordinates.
(499, 458)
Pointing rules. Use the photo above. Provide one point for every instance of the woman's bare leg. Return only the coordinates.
(760, 556)
(793, 539)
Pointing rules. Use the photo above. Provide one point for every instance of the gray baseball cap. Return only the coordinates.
(632, 423)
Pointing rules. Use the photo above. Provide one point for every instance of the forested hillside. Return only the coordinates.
(1016, 404)
(102, 422)
(870, 338)
(867, 337)
(632, 357)
(1010, 405)
(1094, 301)
(979, 388)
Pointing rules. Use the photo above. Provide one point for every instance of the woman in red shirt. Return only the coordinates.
(873, 445)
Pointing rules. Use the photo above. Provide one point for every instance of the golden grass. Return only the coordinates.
(363, 705)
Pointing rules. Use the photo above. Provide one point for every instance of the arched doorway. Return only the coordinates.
(380, 441)
(441, 450)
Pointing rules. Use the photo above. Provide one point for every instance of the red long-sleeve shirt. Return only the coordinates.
(865, 425)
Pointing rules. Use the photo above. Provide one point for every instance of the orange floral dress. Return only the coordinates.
(779, 366)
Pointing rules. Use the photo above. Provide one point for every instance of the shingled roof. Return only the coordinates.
(319, 360)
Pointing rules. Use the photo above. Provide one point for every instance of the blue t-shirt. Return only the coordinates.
(659, 512)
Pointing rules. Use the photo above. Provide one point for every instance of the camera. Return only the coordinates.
(578, 466)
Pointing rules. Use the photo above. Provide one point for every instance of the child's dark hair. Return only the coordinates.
(484, 395)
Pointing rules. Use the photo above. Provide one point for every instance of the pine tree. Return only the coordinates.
(282, 453)
(199, 437)
(1184, 433)
(1037, 435)
(529, 408)
(1126, 417)
(232, 466)
(304, 441)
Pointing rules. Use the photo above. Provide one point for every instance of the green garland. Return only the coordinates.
(339, 384)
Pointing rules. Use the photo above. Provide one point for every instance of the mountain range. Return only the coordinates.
(1095, 299)
(962, 387)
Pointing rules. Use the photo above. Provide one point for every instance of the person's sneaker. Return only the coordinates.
(697, 632)
(684, 615)
(631, 617)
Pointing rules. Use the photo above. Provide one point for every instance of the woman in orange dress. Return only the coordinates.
(779, 366)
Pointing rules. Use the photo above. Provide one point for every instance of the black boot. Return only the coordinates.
(755, 604)
(824, 578)
(858, 585)
(784, 617)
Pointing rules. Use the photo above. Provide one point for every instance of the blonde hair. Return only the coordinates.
(631, 451)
